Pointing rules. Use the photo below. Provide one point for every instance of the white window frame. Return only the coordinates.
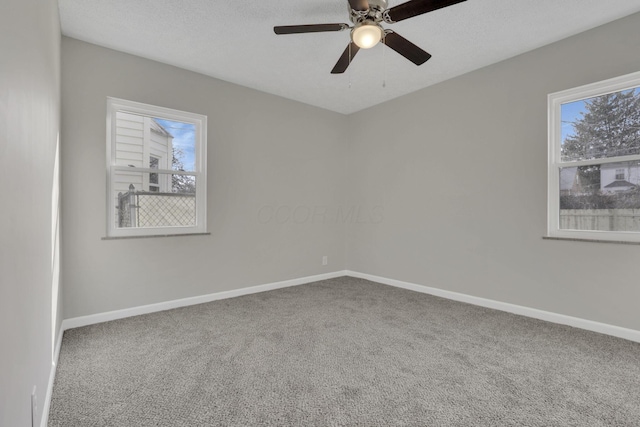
(555, 101)
(200, 121)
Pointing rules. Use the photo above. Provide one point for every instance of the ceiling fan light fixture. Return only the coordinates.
(366, 35)
(366, 16)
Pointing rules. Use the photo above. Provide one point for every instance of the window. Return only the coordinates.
(594, 161)
(156, 170)
(154, 180)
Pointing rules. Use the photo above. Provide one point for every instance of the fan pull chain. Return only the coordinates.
(384, 63)
(349, 68)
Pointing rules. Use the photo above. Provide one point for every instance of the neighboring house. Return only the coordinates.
(142, 142)
(614, 178)
(619, 177)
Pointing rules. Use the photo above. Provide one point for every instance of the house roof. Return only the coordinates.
(619, 183)
(157, 127)
(235, 41)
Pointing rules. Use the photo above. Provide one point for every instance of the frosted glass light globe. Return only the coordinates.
(366, 36)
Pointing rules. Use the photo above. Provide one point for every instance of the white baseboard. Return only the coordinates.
(576, 322)
(77, 322)
(52, 376)
(603, 328)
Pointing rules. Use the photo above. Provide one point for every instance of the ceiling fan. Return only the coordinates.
(366, 32)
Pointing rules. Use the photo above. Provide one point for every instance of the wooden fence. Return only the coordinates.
(600, 219)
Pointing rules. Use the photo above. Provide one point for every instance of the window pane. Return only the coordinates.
(129, 140)
(601, 127)
(154, 180)
(139, 203)
(154, 162)
(183, 144)
(602, 197)
(148, 142)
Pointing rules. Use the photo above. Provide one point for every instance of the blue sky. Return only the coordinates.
(184, 138)
(569, 114)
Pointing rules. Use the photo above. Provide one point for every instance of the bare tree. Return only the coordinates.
(181, 183)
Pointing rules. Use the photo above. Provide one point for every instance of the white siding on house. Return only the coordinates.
(129, 139)
(129, 147)
(123, 181)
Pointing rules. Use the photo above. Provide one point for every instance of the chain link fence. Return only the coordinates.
(150, 209)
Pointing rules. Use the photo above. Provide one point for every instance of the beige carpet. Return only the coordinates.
(343, 352)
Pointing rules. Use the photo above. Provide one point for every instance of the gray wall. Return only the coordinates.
(451, 186)
(264, 152)
(460, 171)
(29, 125)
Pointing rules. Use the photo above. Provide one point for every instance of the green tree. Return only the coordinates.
(609, 127)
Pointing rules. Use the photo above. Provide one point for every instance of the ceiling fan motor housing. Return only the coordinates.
(374, 13)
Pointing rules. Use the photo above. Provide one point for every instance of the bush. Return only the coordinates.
(623, 200)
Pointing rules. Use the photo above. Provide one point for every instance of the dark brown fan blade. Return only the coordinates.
(405, 48)
(418, 7)
(361, 5)
(313, 28)
(345, 59)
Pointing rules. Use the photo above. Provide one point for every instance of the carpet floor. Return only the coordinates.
(343, 352)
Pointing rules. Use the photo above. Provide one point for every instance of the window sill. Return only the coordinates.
(575, 239)
(155, 235)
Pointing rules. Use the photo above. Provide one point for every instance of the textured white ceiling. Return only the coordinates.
(234, 41)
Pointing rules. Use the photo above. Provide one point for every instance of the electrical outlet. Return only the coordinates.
(34, 408)
(325, 260)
